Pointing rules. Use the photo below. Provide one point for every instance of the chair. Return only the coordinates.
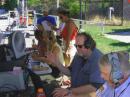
(14, 56)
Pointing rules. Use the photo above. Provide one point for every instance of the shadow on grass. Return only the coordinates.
(123, 32)
(121, 44)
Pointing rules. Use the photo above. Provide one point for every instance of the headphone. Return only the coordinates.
(116, 72)
(87, 42)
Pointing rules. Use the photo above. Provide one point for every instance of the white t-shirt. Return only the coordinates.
(46, 26)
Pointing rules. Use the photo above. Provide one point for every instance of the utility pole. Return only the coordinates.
(80, 23)
(58, 23)
(57, 3)
(85, 10)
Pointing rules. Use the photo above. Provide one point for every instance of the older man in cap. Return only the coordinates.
(46, 21)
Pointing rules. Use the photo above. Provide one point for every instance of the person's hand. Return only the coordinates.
(60, 92)
(67, 82)
(35, 56)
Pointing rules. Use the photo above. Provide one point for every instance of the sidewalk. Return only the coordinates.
(120, 36)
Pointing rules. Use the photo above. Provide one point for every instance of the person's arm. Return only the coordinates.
(63, 69)
(86, 89)
(82, 91)
(69, 33)
(54, 60)
(82, 95)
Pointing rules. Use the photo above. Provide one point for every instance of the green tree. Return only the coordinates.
(34, 3)
(72, 5)
(10, 4)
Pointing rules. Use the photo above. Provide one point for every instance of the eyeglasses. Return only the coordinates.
(79, 46)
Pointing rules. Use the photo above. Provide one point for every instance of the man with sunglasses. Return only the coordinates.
(68, 32)
(84, 70)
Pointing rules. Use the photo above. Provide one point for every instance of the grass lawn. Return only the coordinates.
(104, 44)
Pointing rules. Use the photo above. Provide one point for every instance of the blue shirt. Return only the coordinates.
(87, 71)
(47, 18)
(121, 91)
(105, 91)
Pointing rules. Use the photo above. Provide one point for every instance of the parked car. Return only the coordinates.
(3, 14)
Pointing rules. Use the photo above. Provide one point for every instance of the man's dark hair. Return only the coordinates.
(62, 10)
(89, 41)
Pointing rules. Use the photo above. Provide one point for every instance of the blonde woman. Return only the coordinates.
(53, 47)
(115, 69)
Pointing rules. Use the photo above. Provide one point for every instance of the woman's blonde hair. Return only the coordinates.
(123, 57)
(52, 37)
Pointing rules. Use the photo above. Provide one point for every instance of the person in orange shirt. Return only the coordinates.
(68, 34)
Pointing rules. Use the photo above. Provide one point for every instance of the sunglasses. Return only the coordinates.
(79, 46)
